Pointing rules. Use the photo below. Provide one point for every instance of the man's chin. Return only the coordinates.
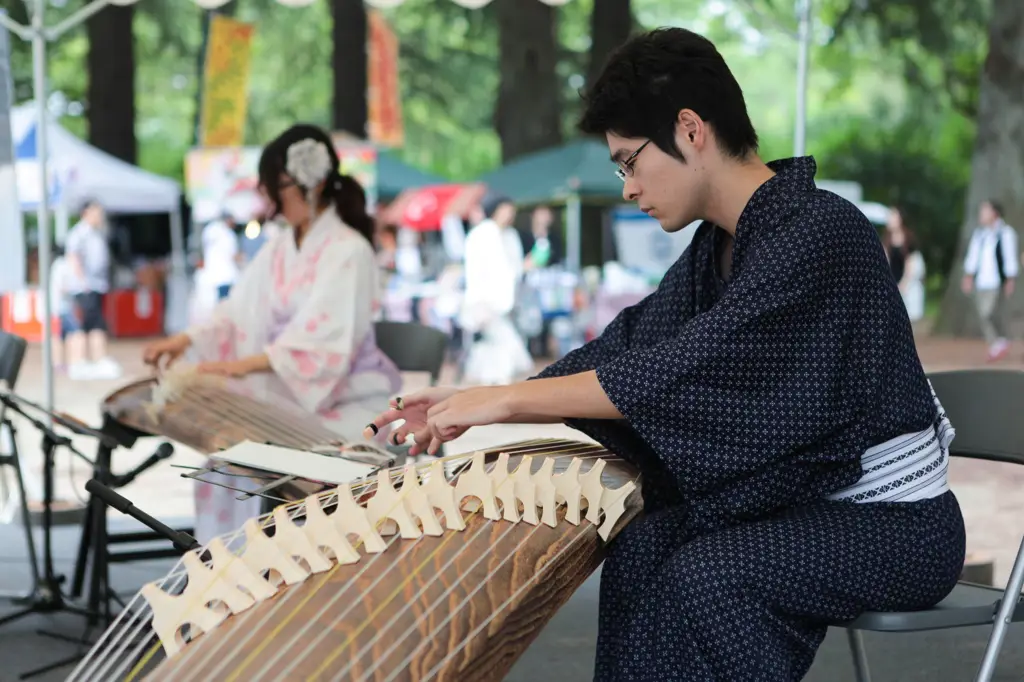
(671, 225)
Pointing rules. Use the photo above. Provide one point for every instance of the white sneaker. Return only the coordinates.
(81, 371)
(106, 368)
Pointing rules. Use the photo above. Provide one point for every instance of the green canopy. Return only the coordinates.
(581, 167)
(394, 176)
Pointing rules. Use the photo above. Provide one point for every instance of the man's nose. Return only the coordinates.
(630, 189)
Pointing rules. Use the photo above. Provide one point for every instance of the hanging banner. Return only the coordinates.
(384, 105)
(226, 82)
(12, 230)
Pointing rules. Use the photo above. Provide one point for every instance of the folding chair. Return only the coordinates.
(986, 407)
(413, 347)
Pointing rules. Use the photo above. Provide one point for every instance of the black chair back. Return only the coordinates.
(983, 405)
(413, 347)
(12, 353)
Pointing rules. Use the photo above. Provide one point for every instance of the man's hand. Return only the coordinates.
(412, 409)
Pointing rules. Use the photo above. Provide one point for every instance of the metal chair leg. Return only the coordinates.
(860, 655)
(1008, 604)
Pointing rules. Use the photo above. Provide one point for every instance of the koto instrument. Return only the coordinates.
(201, 412)
(414, 574)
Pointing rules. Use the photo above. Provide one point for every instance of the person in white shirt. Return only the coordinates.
(88, 257)
(493, 268)
(990, 269)
(220, 254)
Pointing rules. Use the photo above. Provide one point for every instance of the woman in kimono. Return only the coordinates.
(792, 452)
(298, 324)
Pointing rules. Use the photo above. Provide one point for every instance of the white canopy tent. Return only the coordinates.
(78, 172)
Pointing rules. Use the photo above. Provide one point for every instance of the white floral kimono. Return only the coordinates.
(311, 310)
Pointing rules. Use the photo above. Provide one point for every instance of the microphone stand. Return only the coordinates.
(183, 541)
(47, 597)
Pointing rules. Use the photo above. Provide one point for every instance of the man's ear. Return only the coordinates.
(690, 129)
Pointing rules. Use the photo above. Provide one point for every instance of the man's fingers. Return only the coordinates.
(435, 445)
(382, 420)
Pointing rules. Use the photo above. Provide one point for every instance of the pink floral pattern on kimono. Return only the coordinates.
(311, 311)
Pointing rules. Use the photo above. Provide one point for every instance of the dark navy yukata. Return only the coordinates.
(745, 405)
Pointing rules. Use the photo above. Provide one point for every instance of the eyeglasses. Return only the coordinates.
(625, 169)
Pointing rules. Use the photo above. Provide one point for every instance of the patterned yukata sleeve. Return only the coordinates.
(313, 354)
(763, 376)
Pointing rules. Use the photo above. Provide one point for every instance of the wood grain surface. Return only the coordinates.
(210, 418)
(462, 606)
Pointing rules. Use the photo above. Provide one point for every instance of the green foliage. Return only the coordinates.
(920, 164)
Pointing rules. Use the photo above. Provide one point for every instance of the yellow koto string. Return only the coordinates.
(156, 646)
(137, 669)
(397, 591)
(258, 649)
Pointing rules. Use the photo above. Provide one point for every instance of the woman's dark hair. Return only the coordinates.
(655, 75)
(909, 238)
(348, 195)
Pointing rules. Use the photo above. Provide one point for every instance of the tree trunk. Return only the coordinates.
(611, 23)
(528, 116)
(997, 166)
(111, 93)
(348, 62)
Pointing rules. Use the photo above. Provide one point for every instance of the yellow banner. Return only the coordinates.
(384, 104)
(226, 82)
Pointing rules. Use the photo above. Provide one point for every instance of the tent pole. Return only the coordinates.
(43, 208)
(176, 313)
(573, 232)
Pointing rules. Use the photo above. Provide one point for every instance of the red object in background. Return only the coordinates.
(134, 313)
(21, 315)
(423, 208)
(129, 313)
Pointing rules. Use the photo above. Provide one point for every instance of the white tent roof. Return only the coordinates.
(82, 172)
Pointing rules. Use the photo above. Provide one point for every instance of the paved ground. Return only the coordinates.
(989, 494)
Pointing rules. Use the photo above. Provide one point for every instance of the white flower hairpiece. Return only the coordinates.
(309, 163)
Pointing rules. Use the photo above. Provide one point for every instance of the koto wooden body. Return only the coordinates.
(210, 418)
(461, 607)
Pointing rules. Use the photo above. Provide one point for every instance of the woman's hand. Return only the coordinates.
(167, 350)
(413, 410)
(226, 368)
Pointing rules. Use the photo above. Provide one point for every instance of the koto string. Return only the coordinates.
(298, 505)
(329, 499)
(580, 533)
(310, 647)
(262, 645)
(398, 590)
(429, 610)
(268, 521)
(217, 407)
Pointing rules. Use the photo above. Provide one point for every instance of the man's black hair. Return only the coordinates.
(997, 206)
(655, 75)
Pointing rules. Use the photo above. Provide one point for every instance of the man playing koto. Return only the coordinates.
(793, 455)
(298, 325)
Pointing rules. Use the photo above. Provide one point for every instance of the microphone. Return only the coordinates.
(164, 451)
(182, 541)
